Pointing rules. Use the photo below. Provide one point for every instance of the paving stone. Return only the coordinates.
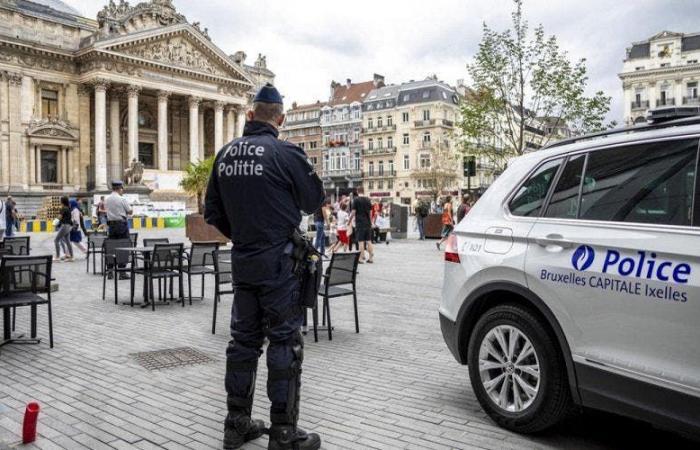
(392, 386)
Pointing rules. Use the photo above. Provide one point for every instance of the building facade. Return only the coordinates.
(81, 100)
(408, 130)
(302, 126)
(661, 72)
(341, 126)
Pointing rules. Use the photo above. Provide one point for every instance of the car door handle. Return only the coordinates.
(554, 239)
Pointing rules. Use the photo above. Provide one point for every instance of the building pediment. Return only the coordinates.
(179, 46)
(665, 35)
(52, 128)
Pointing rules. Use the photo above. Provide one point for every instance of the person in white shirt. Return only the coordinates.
(2, 218)
(342, 229)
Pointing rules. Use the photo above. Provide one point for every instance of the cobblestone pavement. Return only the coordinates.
(394, 385)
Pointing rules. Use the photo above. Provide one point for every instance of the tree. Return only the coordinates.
(196, 178)
(525, 89)
(439, 173)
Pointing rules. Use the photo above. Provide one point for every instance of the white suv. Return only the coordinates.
(575, 280)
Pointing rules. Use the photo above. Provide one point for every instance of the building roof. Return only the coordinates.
(381, 98)
(56, 5)
(425, 91)
(53, 10)
(355, 92)
(308, 107)
(642, 49)
(690, 42)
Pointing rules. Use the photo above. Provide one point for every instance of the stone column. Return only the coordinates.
(115, 138)
(37, 158)
(100, 135)
(64, 165)
(33, 162)
(230, 123)
(163, 130)
(218, 126)
(194, 128)
(133, 122)
(200, 128)
(4, 130)
(240, 121)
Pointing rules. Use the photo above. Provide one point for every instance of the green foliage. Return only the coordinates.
(442, 172)
(521, 81)
(196, 178)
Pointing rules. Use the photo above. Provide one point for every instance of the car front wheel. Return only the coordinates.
(517, 371)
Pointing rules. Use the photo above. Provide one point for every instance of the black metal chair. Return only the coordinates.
(153, 241)
(32, 291)
(200, 261)
(165, 263)
(116, 264)
(338, 281)
(223, 281)
(94, 248)
(134, 239)
(17, 245)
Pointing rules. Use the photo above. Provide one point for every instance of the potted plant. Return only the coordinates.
(194, 182)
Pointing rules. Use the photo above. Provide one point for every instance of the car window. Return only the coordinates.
(530, 196)
(564, 201)
(649, 183)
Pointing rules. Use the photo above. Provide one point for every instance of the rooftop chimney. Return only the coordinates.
(294, 105)
(378, 80)
(348, 83)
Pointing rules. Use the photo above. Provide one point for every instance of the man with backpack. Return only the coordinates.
(422, 211)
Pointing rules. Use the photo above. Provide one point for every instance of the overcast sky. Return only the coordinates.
(308, 43)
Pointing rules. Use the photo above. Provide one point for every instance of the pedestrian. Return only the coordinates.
(3, 219)
(448, 222)
(464, 207)
(101, 213)
(118, 211)
(341, 227)
(362, 215)
(266, 304)
(376, 212)
(320, 221)
(10, 217)
(384, 225)
(422, 211)
(64, 227)
(76, 234)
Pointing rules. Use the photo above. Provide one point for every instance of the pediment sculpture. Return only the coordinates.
(122, 18)
(177, 51)
(52, 127)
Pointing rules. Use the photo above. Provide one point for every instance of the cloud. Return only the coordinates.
(308, 43)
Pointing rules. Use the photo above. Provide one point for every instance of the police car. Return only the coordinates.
(575, 281)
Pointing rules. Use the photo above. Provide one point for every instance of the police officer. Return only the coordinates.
(257, 188)
(118, 211)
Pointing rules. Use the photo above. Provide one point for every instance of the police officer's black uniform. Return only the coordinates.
(256, 191)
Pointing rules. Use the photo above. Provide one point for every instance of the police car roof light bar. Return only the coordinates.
(648, 127)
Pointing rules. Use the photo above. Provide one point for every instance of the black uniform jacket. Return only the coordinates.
(258, 187)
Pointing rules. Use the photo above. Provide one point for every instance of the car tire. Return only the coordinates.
(533, 378)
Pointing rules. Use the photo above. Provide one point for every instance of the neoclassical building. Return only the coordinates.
(81, 99)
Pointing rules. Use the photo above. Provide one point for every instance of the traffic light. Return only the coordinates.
(469, 166)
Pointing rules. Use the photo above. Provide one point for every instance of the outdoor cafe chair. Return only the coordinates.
(338, 281)
(32, 291)
(223, 281)
(94, 248)
(17, 245)
(150, 242)
(134, 239)
(200, 261)
(163, 263)
(115, 263)
(153, 241)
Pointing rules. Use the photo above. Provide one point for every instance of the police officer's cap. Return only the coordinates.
(117, 184)
(268, 94)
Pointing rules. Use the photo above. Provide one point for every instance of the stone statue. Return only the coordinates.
(134, 174)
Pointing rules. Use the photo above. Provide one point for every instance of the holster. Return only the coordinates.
(308, 268)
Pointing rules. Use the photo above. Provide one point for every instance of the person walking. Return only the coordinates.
(62, 239)
(341, 228)
(320, 221)
(422, 211)
(101, 213)
(253, 175)
(76, 234)
(118, 211)
(3, 219)
(10, 216)
(362, 215)
(448, 222)
(464, 207)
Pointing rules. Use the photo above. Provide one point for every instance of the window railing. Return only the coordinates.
(642, 104)
(691, 100)
(379, 151)
(668, 101)
(382, 129)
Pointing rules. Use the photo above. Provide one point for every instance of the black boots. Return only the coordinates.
(241, 429)
(287, 437)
